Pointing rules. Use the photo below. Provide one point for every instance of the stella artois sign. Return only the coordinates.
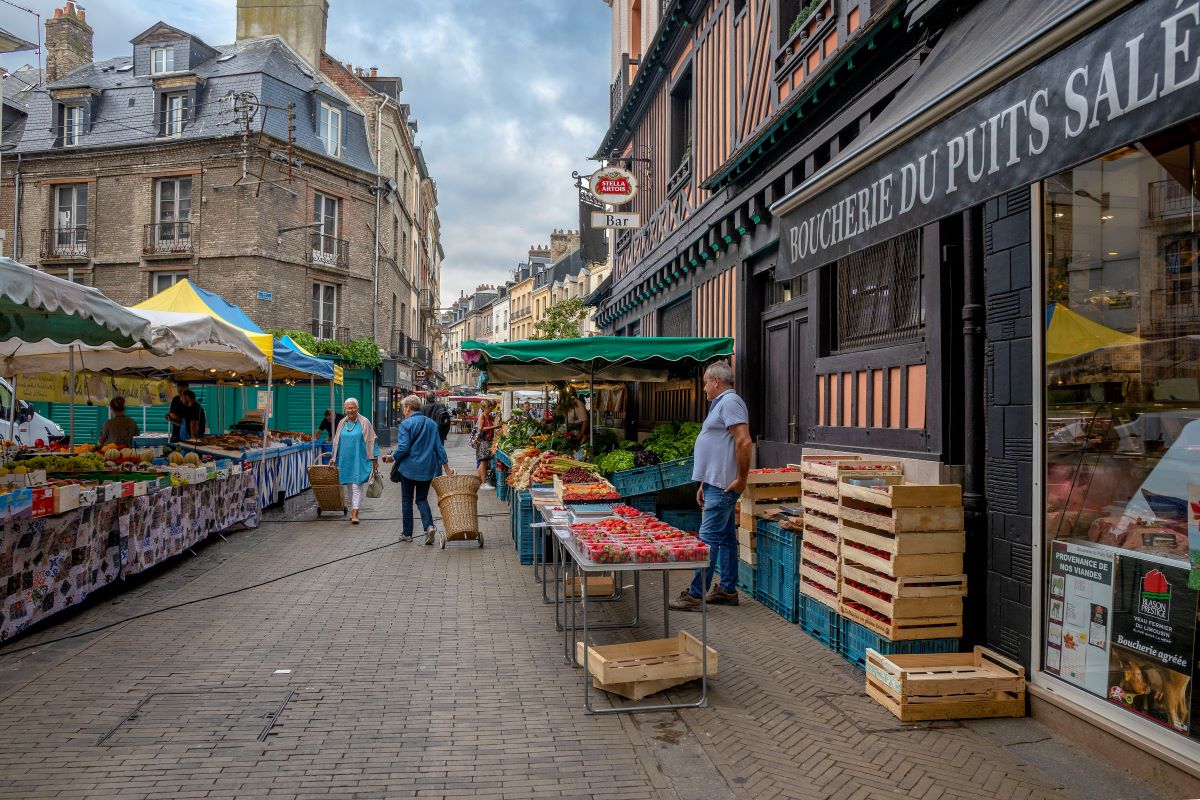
(613, 185)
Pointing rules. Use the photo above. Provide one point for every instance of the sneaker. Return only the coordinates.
(406, 538)
(430, 534)
(487, 485)
(719, 597)
(685, 602)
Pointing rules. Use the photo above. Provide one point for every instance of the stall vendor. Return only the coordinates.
(119, 429)
(178, 413)
(197, 424)
(575, 414)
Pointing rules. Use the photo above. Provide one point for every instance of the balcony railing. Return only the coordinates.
(1176, 307)
(167, 239)
(329, 251)
(1170, 198)
(399, 344)
(429, 303)
(66, 244)
(620, 86)
(327, 330)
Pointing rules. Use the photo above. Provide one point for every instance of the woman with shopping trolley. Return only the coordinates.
(419, 457)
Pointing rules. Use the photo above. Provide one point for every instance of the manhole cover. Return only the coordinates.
(222, 716)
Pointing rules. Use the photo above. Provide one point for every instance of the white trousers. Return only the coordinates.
(356, 494)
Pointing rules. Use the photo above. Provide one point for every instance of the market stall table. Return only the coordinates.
(283, 469)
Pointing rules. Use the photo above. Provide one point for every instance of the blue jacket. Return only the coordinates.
(419, 449)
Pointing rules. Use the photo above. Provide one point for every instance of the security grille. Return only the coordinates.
(879, 294)
(676, 319)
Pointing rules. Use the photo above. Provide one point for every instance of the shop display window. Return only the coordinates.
(1122, 445)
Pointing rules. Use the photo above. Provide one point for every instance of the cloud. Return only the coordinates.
(510, 97)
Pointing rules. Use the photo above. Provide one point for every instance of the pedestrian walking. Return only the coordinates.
(485, 431)
(723, 451)
(419, 457)
(355, 449)
(436, 410)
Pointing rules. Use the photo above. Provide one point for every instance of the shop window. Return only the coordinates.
(878, 294)
(1122, 414)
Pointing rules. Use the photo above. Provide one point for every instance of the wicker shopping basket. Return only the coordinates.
(326, 486)
(457, 498)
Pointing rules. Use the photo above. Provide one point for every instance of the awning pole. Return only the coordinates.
(312, 401)
(266, 427)
(71, 368)
(12, 412)
(590, 405)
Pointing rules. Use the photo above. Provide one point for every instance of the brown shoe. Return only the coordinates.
(685, 602)
(717, 597)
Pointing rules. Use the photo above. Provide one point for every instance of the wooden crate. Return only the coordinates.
(941, 686)
(745, 538)
(909, 586)
(821, 521)
(903, 565)
(745, 520)
(906, 544)
(651, 660)
(838, 469)
(597, 586)
(810, 573)
(900, 520)
(818, 593)
(820, 487)
(820, 504)
(748, 555)
(810, 551)
(899, 606)
(560, 489)
(908, 495)
(767, 478)
(946, 626)
(640, 690)
(757, 508)
(777, 492)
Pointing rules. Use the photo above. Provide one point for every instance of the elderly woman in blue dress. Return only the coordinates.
(355, 450)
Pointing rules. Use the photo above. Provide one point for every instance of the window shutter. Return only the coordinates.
(56, 124)
(86, 125)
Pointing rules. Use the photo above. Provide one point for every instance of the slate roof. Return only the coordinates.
(125, 112)
(568, 266)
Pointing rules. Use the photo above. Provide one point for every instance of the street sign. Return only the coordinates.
(616, 219)
(264, 295)
(613, 185)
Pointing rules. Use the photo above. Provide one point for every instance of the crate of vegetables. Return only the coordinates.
(577, 485)
(640, 480)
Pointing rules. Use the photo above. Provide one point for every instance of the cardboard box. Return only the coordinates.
(21, 504)
(140, 488)
(87, 498)
(43, 501)
(66, 497)
(112, 491)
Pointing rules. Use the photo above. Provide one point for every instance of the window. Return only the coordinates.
(324, 310)
(681, 122)
(1122, 427)
(174, 113)
(72, 125)
(70, 220)
(161, 281)
(173, 213)
(326, 211)
(879, 295)
(162, 60)
(331, 130)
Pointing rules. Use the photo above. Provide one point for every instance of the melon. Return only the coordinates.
(175, 458)
(192, 458)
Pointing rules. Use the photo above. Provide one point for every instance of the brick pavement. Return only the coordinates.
(418, 672)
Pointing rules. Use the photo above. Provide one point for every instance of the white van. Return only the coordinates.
(30, 425)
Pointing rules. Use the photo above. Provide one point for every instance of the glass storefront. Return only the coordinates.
(1122, 449)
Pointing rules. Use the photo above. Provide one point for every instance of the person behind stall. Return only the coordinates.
(485, 431)
(436, 410)
(177, 413)
(723, 451)
(197, 422)
(527, 407)
(329, 423)
(420, 457)
(355, 450)
(118, 429)
(575, 414)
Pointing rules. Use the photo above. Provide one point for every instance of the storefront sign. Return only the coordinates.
(93, 388)
(1153, 638)
(620, 221)
(1080, 613)
(1133, 76)
(614, 185)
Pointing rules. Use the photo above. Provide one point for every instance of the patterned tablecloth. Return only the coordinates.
(51, 563)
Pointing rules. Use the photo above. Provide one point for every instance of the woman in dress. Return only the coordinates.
(485, 431)
(421, 458)
(355, 450)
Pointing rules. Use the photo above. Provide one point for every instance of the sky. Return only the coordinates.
(509, 96)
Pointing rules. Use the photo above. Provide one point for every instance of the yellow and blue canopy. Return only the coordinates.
(1069, 333)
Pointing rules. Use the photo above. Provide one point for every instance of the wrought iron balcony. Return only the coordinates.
(1170, 198)
(1178, 308)
(327, 330)
(329, 251)
(620, 86)
(399, 344)
(167, 239)
(66, 244)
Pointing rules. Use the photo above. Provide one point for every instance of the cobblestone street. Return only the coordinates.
(412, 671)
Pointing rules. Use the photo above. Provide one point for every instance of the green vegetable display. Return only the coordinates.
(616, 461)
(673, 440)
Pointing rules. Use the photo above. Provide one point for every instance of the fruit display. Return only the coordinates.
(532, 466)
(232, 441)
(88, 462)
(589, 492)
(634, 537)
(578, 475)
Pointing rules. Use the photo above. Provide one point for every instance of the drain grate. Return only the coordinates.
(203, 716)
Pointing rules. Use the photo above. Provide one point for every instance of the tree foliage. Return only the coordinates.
(562, 320)
(360, 353)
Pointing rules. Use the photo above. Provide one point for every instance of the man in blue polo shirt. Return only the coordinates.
(723, 451)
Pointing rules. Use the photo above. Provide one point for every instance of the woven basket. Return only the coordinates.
(457, 498)
(326, 485)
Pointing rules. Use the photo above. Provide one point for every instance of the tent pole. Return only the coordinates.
(312, 401)
(591, 404)
(267, 425)
(71, 367)
(12, 411)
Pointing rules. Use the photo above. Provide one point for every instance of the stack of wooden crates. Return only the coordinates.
(767, 496)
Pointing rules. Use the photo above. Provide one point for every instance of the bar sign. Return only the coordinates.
(618, 220)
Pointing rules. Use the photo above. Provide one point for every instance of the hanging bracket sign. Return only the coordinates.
(616, 219)
(614, 185)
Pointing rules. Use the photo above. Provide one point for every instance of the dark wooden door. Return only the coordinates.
(785, 378)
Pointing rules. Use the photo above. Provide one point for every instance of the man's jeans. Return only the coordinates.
(718, 530)
(418, 490)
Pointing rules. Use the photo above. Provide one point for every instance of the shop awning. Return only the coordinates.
(1069, 333)
(994, 107)
(613, 358)
(38, 308)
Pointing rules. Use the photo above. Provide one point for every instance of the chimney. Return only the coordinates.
(300, 23)
(374, 72)
(563, 242)
(68, 42)
(538, 251)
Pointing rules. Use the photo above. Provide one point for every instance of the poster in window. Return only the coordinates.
(1193, 520)
(1153, 639)
(1077, 633)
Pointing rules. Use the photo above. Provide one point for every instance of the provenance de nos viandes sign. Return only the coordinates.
(1133, 76)
(613, 185)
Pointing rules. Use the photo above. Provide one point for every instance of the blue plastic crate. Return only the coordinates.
(631, 482)
(644, 502)
(776, 582)
(502, 486)
(503, 458)
(855, 639)
(677, 472)
(685, 519)
(820, 621)
(522, 518)
(745, 580)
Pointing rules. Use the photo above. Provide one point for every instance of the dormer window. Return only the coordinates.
(331, 130)
(162, 60)
(174, 112)
(72, 125)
